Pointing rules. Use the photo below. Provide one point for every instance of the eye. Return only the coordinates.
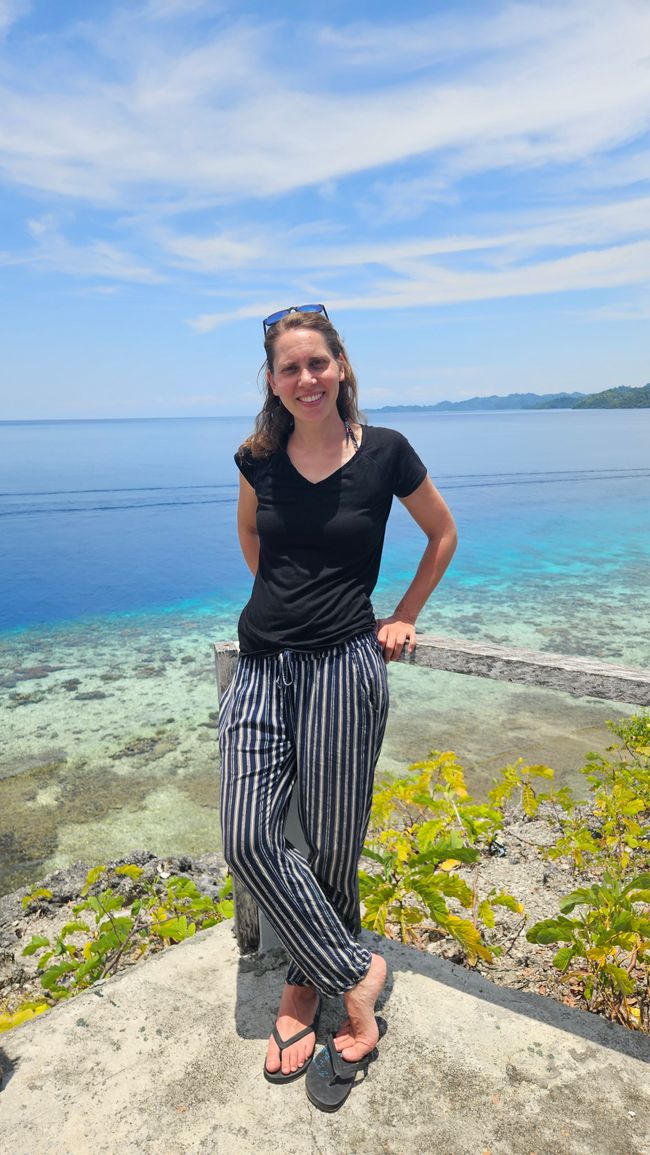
(318, 364)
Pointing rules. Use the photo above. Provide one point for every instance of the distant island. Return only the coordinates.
(621, 397)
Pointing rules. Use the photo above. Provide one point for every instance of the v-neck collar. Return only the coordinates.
(335, 472)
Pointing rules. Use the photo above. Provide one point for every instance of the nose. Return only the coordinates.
(306, 376)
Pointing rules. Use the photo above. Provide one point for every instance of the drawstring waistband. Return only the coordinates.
(285, 668)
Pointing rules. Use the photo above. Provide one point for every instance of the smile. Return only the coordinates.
(310, 398)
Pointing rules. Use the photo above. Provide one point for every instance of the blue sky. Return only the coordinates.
(465, 185)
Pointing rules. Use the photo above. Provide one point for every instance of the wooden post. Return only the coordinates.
(579, 677)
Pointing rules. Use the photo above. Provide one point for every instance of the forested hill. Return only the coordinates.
(624, 397)
(621, 397)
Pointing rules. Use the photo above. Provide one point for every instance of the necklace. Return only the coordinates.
(350, 435)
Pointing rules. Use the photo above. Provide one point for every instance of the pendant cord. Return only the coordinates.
(350, 435)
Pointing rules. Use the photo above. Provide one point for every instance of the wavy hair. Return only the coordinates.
(274, 423)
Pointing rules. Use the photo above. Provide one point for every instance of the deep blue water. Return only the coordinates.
(111, 517)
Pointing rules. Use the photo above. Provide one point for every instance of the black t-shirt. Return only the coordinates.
(321, 543)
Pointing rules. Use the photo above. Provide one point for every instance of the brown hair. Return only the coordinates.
(274, 423)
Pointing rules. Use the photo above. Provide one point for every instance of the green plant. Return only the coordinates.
(618, 838)
(423, 827)
(610, 938)
(518, 781)
(159, 912)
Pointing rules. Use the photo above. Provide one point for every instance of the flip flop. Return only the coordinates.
(331, 1077)
(279, 1076)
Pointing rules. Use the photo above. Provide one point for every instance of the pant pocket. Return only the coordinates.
(368, 661)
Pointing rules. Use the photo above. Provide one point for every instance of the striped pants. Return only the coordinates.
(316, 721)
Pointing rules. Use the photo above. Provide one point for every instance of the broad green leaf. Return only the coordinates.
(427, 889)
(73, 928)
(34, 895)
(92, 876)
(619, 978)
(130, 870)
(552, 930)
(563, 957)
(376, 907)
(174, 928)
(49, 980)
(450, 846)
(640, 883)
(529, 800)
(583, 896)
(109, 901)
(469, 938)
(453, 886)
(93, 966)
(485, 913)
(507, 900)
(37, 941)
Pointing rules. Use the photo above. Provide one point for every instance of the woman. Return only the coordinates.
(307, 705)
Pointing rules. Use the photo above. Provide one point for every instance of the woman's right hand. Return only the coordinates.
(393, 634)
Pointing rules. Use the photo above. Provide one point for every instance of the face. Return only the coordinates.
(306, 376)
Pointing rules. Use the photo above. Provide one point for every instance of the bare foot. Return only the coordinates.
(297, 1010)
(359, 1034)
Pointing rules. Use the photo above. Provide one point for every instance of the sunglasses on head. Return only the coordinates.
(273, 318)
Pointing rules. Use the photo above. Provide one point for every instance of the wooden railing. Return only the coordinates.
(579, 677)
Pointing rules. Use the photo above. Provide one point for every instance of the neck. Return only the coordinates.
(329, 433)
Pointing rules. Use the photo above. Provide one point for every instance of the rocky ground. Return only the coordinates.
(517, 868)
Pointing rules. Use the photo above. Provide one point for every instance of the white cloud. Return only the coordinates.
(506, 236)
(96, 259)
(213, 252)
(443, 37)
(430, 284)
(227, 118)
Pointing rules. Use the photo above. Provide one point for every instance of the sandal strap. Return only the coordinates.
(284, 1043)
(345, 1069)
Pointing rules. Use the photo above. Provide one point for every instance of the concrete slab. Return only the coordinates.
(166, 1058)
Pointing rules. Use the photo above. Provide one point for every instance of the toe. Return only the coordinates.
(356, 1052)
(273, 1063)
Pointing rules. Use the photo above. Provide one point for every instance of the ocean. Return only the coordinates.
(119, 565)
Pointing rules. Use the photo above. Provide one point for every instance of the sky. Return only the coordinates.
(466, 186)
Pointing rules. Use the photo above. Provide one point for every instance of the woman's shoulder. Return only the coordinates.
(380, 437)
(254, 466)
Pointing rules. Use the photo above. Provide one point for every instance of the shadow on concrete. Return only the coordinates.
(260, 979)
(7, 1068)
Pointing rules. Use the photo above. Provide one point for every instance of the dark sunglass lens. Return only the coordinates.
(275, 317)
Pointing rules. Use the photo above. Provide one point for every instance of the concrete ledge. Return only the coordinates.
(579, 677)
(166, 1058)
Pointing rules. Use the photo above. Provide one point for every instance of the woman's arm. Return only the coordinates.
(247, 524)
(431, 513)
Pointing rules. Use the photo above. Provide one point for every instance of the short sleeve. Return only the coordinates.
(409, 470)
(246, 465)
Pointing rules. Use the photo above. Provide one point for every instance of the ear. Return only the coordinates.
(269, 381)
(341, 370)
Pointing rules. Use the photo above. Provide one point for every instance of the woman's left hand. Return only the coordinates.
(393, 634)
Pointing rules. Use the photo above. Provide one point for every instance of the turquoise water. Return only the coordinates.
(119, 565)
